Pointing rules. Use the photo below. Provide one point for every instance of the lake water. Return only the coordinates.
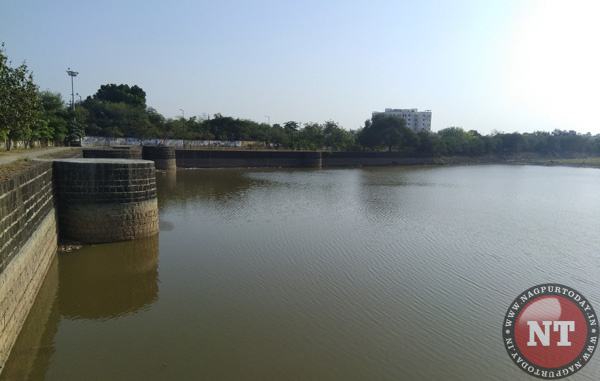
(395, 273)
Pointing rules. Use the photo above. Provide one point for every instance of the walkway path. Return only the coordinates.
(22, 155)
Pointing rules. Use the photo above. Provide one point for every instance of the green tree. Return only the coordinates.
(42, 131)
(75, 131)
(278, 136)
(133, 96)
(338, 138)
(457, 141)
(365, 137)
(19, 102)
(52, 121)
(386, 130)
(311, 136)
(291, 126)
(261, 132)
(120, 111)
(428, 142)
(513, 143)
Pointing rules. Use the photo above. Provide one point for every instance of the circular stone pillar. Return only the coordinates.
(105, 200)
(163, 157)
(312, 160)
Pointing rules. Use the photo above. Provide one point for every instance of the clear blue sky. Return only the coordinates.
(505, 65)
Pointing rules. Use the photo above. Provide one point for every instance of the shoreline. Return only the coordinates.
(527, 159)
(21, 163)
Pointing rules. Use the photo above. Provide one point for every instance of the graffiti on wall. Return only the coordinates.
(97, 141)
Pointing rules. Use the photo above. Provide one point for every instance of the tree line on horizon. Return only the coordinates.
(28, 114)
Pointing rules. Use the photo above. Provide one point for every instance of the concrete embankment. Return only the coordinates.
(373, 159)
(28, 243)
(307, 159)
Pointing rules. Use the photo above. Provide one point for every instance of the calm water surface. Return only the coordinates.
(347, 274)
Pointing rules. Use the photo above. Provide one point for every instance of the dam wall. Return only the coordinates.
(373, 159)
(240, 159)
(307, 159)
(28, 243)
(113, 153)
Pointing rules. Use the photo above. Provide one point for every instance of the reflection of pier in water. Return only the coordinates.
(107, 281)
(97, 282)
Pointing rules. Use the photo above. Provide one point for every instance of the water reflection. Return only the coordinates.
(166, 184)
(107, 281)
(346, 274)
(385, 195)
(219, 185)
(96, 283)
(30, 356)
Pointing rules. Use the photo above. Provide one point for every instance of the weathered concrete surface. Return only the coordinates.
(312, 160)
(106, 200)
(28, 242)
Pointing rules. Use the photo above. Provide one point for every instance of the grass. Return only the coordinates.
(8, 171)
(588, 161)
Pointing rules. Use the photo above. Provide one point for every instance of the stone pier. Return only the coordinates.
(105, 200)
(163, 157)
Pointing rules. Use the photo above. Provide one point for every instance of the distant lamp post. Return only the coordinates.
(80, 100)
(268, 119)
(72, 74)
(182, 113)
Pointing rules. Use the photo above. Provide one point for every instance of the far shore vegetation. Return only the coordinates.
(28, 114)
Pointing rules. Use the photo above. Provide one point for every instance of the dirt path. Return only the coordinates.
(6, 159)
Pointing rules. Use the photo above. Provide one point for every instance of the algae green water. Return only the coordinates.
(400, 273)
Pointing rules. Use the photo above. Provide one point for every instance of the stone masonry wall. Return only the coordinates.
(348, 159)
(163, 157)
(106, 200)
(25, 199)
(311, 159)
(240, 159)
(113, 153)
(28, 242)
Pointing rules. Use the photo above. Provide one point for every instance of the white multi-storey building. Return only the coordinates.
(415, 120)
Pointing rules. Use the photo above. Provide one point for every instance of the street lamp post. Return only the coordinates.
(72, 74)
(182, 113)
(268, 118)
